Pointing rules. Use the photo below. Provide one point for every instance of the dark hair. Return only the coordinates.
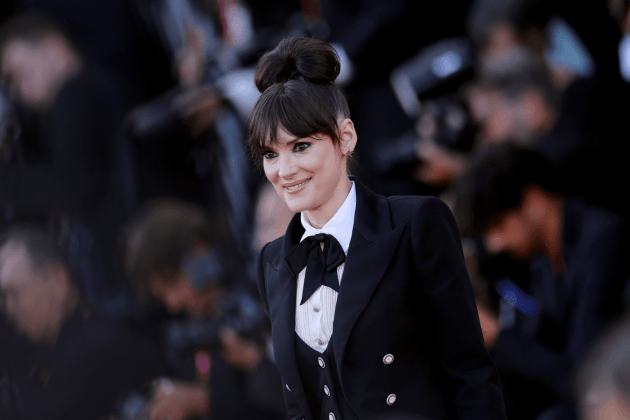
(31, 27)
(162, 233)
(296, 81)
(41, 248)
(522, 15)
(517, 70)
(495, 181)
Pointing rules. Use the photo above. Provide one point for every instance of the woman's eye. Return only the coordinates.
(300, 147)
(269, 155)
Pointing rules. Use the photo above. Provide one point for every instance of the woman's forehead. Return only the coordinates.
(280, 137)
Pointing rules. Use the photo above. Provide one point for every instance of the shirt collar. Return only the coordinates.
(341, 224)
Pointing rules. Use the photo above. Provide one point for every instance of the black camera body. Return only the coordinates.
(436, 70)
(237, 311)
(426, 87)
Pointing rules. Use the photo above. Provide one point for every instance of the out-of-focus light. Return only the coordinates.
(624, 57)
(447, 64)
(566, 50)
(516, 297)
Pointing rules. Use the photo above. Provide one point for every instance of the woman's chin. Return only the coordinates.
(297, 202)
(297, 206)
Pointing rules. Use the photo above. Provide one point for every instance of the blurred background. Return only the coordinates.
(132, 214)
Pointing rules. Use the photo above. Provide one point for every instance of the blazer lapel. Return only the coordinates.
(282, 285)
(372, 247)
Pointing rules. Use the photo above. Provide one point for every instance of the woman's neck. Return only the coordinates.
(319, 216)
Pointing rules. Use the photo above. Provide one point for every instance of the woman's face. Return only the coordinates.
(306, 173)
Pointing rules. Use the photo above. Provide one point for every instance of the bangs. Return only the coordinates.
(300, 108)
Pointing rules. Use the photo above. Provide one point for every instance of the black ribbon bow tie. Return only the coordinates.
(321, 264)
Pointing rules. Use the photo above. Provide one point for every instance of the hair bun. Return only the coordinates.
(298, 58)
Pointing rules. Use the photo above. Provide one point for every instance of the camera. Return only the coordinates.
(237, 311)
(427, 89)
(436, 70)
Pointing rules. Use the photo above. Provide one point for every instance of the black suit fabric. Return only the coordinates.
(405, 292)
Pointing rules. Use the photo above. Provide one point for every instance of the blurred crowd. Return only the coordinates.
(131, 212)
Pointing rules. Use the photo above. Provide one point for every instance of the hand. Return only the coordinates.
(191, 57)
(239, 352)
(438, 165)
(178, 400)
(201, 106)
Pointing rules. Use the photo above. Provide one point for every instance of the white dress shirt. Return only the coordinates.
(314, 319)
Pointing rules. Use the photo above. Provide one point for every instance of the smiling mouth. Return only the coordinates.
(294, 188)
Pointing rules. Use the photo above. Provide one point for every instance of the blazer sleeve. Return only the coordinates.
(293, 409)
(439, 265)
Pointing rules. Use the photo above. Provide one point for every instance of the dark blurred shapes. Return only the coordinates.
(577, 271)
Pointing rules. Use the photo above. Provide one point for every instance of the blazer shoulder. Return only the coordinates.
(271, 250)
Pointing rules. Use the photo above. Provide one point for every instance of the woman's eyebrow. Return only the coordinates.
(290, 142)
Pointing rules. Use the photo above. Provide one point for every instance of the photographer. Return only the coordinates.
(189, 143)
(522, 104)
(179, 257)
(76, 365)
(514, 199)
(67, 168)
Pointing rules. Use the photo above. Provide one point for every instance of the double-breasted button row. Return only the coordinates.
(388, 359)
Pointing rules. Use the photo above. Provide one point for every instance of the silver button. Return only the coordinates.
(321, 362)
(331, 416)
(287, 385)
(391, 399)
(388, 359)
(326, 390)
(316, 309)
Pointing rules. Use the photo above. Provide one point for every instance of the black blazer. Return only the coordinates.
(405, 292)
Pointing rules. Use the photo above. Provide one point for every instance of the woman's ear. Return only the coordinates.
(347, 136)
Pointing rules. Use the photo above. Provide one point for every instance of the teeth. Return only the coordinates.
(295, 187)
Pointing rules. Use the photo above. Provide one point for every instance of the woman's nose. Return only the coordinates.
(287, 166)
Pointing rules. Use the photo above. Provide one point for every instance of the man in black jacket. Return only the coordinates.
(76, 364)
(512, 198)
(67, 164)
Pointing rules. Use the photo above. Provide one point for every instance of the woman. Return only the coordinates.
(370, 304)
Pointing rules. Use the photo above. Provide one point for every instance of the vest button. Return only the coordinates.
(388, 359)
(321, 362)
(326, 390)
(391, 399)
(331, 416)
